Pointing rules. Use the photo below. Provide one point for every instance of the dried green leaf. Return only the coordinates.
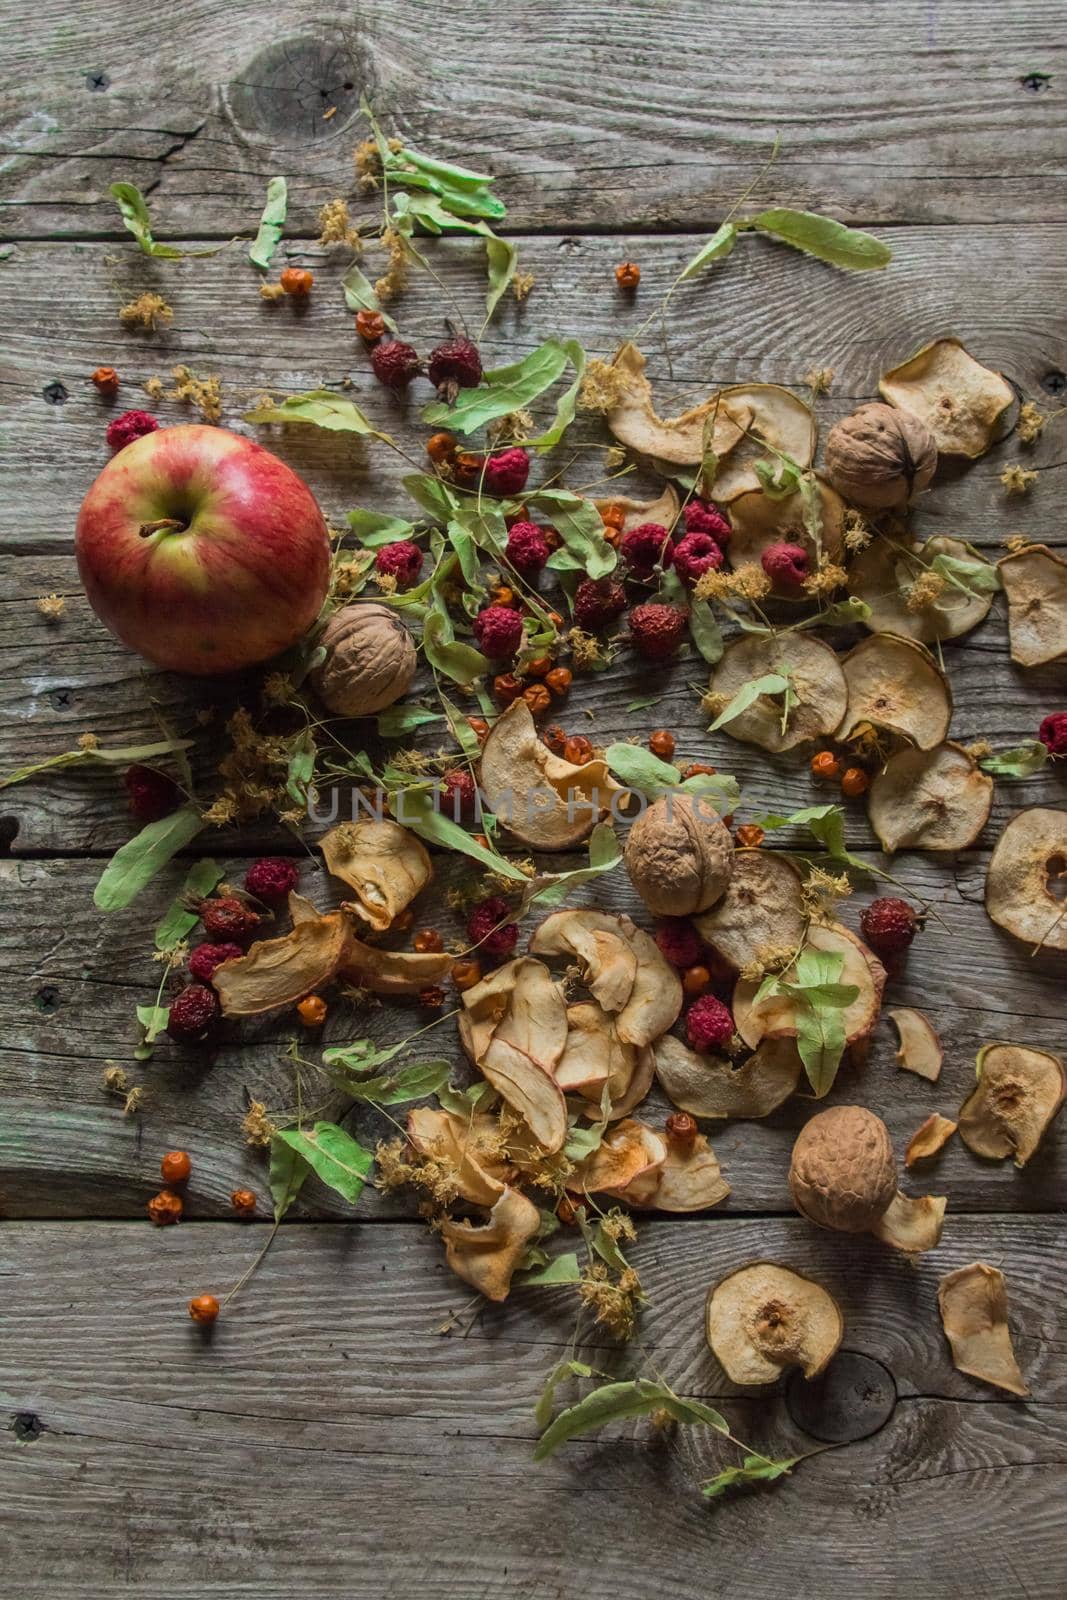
(288, 1171)
(137, 861)
(121, 756)
(320, 408)
(501, 391)
(397, 721)
(580, 526)
(131, 203)
(976, 578)
(614, 1401)
(361, 295)
(566, 405)
(178, 919)
(414, 808)
(340, 1161)
(558, 1270)
(705, 632)
(271, 224)
(153, 1020)
(771, 683)
(374, 528)
(392, 1088)
(824, 238)
(433, 495)
(1020, 761)
(716, 248)
(460, 662)
(754, 1469)
(564, 1369)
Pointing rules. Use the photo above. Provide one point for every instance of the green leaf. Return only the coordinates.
(705, 632)
(131, 203)
(340, 1161)
(462, 192)
(460, 728)
(301, 771)
(639, 769)
(320, 408)
(826, 823)
(780, 476)
(374, 528)
(566, 405)
(975, 578)
(823, 237)
(553, 888)
(288, 1171)
(270, 224)
(361, 295)
(501, 255)
(748, 694)
(433, 495)
(153, 1020)
(466, 1102)
(564, 1369)
(579, 525)
(839, 614)
(178, 920)
(819, 1003)
(559, 1270)
(393, 1089)
(644, 705)
(716, 248)
(614, 1401)
(720, 788)
(1020, 761)
(755, 1469)
(414, 808)
(395, 722)
(361, 1055)
(501, 391)
(137, 861)
(116, 756)
(460, 662)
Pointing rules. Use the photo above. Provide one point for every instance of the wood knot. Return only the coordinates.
(852, 1399)
(298, 90)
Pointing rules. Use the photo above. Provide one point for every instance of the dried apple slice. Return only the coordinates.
(690, 1179)
(937, 799)
(627, 1160)
(930, 1137)
(547, 802)
(663, 510)
(912, 1225)
(883, 576)
(655, 996)
(711, 1086)
(919, 1049)
(486, 1255)
(484, 1007)
(1019, 1094)
(973, 1302)
(1026, 883)
(762, 1319)
(814, 674)
(278, 972)
(961, 402)
(678, 440)
(535, 1020)
(607, 961)
(779, 418)
(528, 1090)
(384, 863)
(776, 1014)
(594, 1054)
(1035, 582)
(761, 910)
(896, 684)
(467, 1146)
(758, 522)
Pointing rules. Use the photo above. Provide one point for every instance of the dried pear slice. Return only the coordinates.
(883, 575)
(896, 684)
(677, 440)
(484, 1007)
(392, 971)
(627, 1159)
(762, 910)
(1019, 1094)
(711, 1086)
(775, 1015)
(690, 1179)
(961, 402)
(814, 674)
(528, 1090)
(547, 802)
(912, 1225)
(467, 1146)
(663, 510)
(780, 418)
(278, 972)
(973, 1302)
(535, 1020)
(935, 799)
(930, 1137)
(595, 938)
(384, 863)
(919, 1050)
(594, 1055)
(1026, 881)
(486, 1255)
(758, 522)
(1035, 582)
(763, 1318)
(655, 998)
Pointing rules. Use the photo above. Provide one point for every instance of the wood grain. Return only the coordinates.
(655, 115)
(250, 1445)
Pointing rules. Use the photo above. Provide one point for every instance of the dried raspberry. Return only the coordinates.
(700, 517)
(679, 942)
(498, 631)
(459, 796)
(786, 564)
(130, 426)
(206, 957)
(152, 794)
(507, 472)
(455, 365)
(696, 554)
(1053, 733)
(656, 631)
(888, 926)
(645, 548)
(402, 561)
(708, 1024)
(271, 878)
(482, 930)
(226, 919)
(394, 364)
(193, 1014)
(527, 548)
(597, 602)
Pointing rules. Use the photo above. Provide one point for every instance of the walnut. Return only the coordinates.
(679, 856)
(843, 1173)
(879, 457)
(370, 661)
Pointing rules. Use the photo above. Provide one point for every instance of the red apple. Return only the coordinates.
(202, 551)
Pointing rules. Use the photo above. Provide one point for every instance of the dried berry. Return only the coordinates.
(613, 516)
(483, 930)
(479, 727)
(825, 766)
(272, 879)
(455, 365)
(506, 687)
(679, 942)
(370, 325)
(312, 1011)
(459, 796)
(130, 426)
(106, 380)
(507, 472)
(695, 980)
(645, 548)
(578, 750)
(627, 274)
(696, 554)
(243, 1202)
(427, 941)
(402, 561)
(432, 999)
(709, 1024)
(204, 1309)
(499, 632)
(206, 958)
(700, 517)
(152, 794)
(465, 974)
(296, 281)
(194, 1014)
(661, 743)
(559, 680)
(681, 1129)
(854, 782)
(227, 919)
(597, 602)
(537, 697)
(656, 631)
(749, 835)
(1053, 733)
(786, 564)
(165, 1208)
(440, 447)
(395, 363)
(175, 1167)
(888, 925)
(527, 548)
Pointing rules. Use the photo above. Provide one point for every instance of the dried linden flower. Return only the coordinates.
(1031, 423)
(521, 284)
(394, 280)
(819, 380)
(115, 1079)
(51, 606)
(271, 291)
(256, 1126)
(1017, 480)
(828, 578)
(148, 311)
(88, 741)
(855, 532)
(601, 388)
(336, 225)
(926, 589)
(203, 393)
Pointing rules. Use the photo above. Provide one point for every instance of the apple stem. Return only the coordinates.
(148, 528)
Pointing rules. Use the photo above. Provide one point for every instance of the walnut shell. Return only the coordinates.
(879, 457)
(679, 856)
(843, 1173)
(370, 661)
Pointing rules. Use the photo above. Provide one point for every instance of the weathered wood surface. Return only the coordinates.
(599, 118)
(328, 1408)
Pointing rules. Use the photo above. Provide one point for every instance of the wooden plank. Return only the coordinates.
(328, 1435)
(75, 978)
(658, 115)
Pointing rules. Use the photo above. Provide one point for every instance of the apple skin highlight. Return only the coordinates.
(241, 576)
